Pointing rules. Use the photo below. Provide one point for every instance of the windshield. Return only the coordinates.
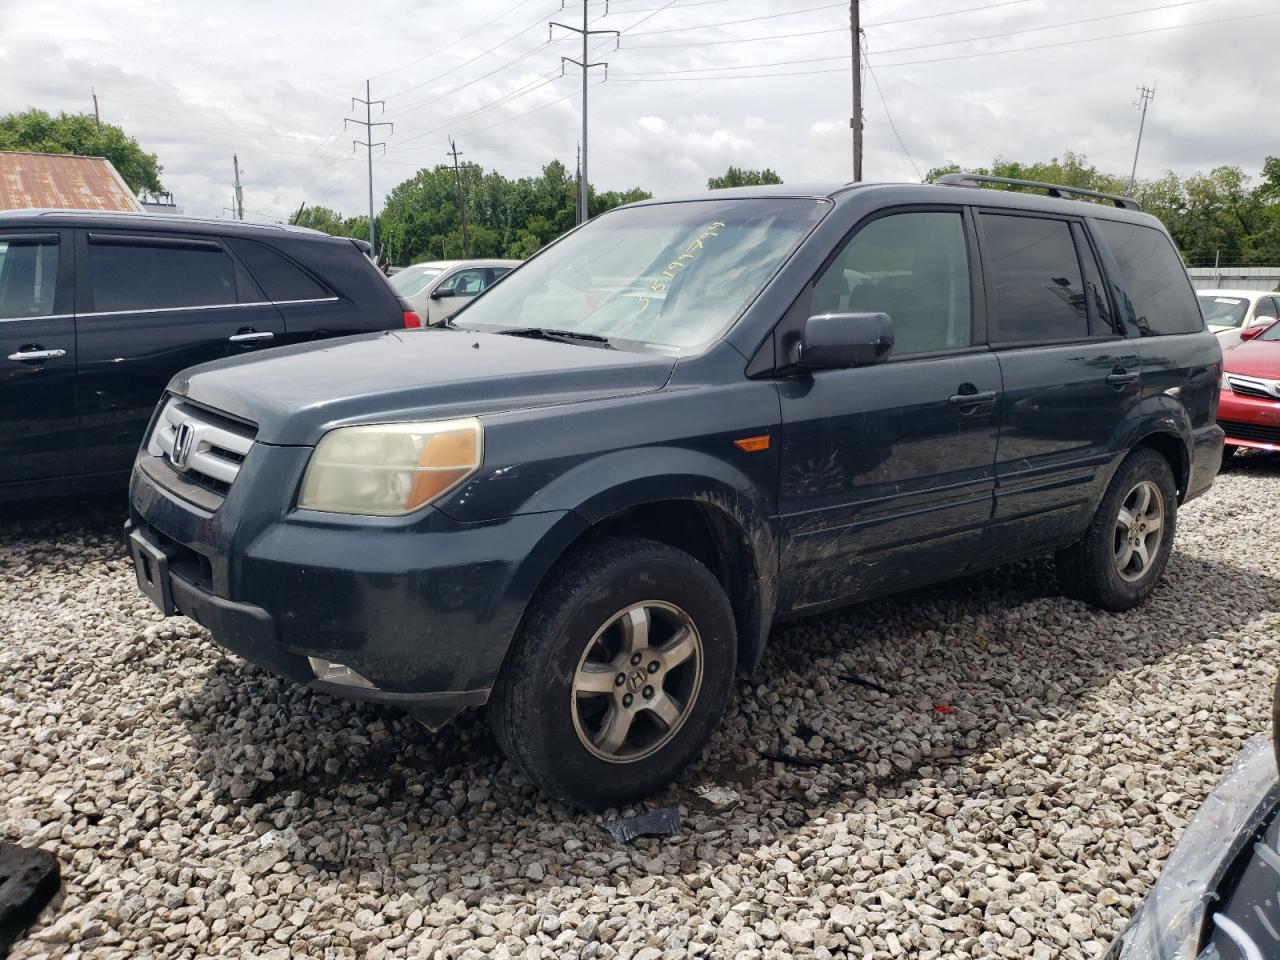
(671, 276)
(1223, 311)
(413, 280)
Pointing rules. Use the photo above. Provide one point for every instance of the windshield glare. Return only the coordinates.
(1223, 311)
(672, 276)
(413, 280)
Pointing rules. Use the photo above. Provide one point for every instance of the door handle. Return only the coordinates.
(980, 398)
(1122, 378)
(251, 336)
(22, 355)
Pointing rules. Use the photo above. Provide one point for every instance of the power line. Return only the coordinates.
(826, 30)
(655, 78)
(925, 46)
(451, 44)
(889, 116)
(730, 23)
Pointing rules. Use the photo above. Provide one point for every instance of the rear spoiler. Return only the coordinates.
(363, 246)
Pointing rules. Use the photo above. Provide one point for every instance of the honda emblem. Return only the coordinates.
(182, 438)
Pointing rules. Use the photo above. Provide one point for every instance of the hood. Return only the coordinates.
(1254, 358)
(295, 394)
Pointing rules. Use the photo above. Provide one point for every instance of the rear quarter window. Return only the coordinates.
(1153, 293)
(280, 278)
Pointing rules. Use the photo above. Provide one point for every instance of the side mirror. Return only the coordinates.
(443, 294)
(837, 341)
(1249, 333)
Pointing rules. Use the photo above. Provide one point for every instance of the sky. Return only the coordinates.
(692, 86)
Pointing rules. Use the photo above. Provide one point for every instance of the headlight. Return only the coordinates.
(390, 469)
(1226, 384)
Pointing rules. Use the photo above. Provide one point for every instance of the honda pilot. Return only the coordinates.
(585, 502)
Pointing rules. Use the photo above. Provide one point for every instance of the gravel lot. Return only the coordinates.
(985, 770)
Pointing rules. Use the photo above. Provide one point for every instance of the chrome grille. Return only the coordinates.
(207, 449)
(1254, 387)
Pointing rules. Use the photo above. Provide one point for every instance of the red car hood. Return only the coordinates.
(1254, 358)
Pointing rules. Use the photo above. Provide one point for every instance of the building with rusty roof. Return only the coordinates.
(59, 180)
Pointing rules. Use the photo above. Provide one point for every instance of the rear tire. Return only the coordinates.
(619, 674)
(1122, 555)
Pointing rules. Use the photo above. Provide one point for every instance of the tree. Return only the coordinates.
(734, 177)
(80, 134)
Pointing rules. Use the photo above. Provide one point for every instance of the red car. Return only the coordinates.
(1249, 410)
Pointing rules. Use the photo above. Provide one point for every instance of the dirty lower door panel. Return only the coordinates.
(887, 475)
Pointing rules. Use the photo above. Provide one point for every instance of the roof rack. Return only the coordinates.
(1053, 189)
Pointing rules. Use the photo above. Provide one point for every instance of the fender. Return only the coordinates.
(602, 487)
(1158, 415)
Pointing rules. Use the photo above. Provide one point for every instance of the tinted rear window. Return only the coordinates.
(1153, 293)
(280, 278)
(125, 276)
(1038, 291)
(28, 275)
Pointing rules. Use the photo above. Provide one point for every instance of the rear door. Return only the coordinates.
(38, 437)
(887, 470)
(153, 305)
(311, 309)
(1070, 376)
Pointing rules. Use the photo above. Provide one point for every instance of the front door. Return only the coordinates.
(154, 305)
(455, 291)
(38, 438)
(887, 471)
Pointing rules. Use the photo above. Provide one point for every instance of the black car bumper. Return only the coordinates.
(422, 609)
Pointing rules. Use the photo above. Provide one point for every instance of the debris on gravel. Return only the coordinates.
(977, 769)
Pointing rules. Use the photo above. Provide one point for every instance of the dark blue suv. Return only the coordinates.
(587, 500)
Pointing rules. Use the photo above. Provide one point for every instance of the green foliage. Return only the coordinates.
(333, 223)
(735, 177)
(77, 133)
(1218, 214)
(505, 218)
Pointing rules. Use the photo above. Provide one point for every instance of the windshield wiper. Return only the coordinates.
(561, 336)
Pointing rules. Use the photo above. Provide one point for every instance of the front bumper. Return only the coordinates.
(423, 608)
(1250, 421)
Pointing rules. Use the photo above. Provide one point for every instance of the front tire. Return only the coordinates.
(619, 675)
(1121, 557)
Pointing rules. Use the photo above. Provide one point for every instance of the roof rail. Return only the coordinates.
(1053, 189)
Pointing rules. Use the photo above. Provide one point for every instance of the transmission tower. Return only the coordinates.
(1145, 96)
(369, 144)
(586, 65)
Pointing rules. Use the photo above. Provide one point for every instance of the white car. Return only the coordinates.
(438, 289)
(1227, 312)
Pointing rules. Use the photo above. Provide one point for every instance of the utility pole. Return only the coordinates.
(462, 199)
(97, 119)
(369, 144)
(577, 183)
(1145, 96)
(586, 65)
(855, 121)
(239, 194)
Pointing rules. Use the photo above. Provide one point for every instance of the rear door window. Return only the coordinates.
(28, 277)
(279, 277)
(1153, 293)
(1037, 292)
(137, 275)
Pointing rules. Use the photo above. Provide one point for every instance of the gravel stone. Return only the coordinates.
(1009, 785)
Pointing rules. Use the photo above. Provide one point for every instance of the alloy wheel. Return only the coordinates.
(637, 681)
(1139, 531)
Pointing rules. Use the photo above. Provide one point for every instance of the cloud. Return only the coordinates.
(272, 83)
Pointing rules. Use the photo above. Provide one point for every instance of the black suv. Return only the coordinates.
(587, 501)
(99, 310)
